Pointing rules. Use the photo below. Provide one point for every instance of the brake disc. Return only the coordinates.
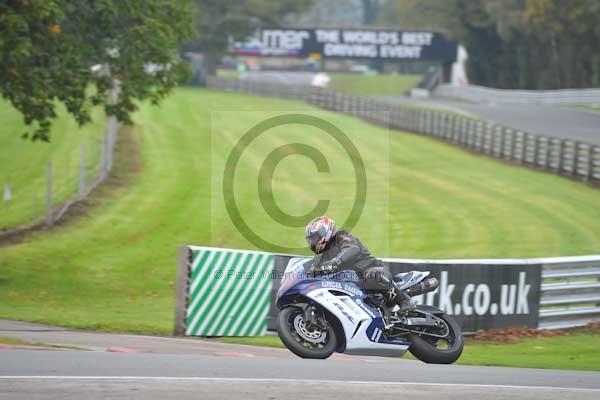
(313, 335)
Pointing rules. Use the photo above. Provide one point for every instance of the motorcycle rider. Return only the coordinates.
(340, 251)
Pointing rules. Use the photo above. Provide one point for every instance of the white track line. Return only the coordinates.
(277, 380)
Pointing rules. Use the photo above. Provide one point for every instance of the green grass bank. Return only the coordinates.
(113, 267)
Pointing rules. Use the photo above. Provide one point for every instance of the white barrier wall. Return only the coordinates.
(228, 292)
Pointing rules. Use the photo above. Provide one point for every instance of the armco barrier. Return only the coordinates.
(225, 292)
(570, 292)
(553, 97)
(565, 157)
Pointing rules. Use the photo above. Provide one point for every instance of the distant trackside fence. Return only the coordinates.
(552, 97)
(565, 157)
(228, 292)
(57, 185)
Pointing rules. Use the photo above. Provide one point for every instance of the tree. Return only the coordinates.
(48, 49)
(421, 15)
(569, 33)
(530, 44)
(370, 11)
(217, 21)
(329, 14)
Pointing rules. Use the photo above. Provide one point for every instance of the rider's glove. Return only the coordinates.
(336, 261)
(328, 269)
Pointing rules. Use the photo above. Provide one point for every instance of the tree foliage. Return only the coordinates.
(533, 44)
(48, 49)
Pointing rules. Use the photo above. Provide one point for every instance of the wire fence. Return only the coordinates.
(566, 157)
(42, 194)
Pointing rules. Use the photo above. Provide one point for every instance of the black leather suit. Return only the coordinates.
(348, 253)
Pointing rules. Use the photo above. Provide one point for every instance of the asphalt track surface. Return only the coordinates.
(144, 367)
(560, 122)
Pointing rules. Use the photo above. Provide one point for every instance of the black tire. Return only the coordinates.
(294, 342)
(426, 350)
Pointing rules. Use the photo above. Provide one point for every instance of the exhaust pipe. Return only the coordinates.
(428, 285)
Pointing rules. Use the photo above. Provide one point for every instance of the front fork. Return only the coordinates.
(313, 317)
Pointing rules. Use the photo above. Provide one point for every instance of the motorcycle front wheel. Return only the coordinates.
(438, 350)
(302, 340)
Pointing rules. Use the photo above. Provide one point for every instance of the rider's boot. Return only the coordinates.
(396, 297)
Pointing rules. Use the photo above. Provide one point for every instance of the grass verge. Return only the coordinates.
(360, 84)
(373, 85)
(19, 342)
(572, 352)
(576, 352)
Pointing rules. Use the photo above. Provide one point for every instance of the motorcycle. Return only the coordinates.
(320, 315)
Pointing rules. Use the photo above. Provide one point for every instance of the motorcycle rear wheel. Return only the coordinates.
(302, 341)
(425, 348)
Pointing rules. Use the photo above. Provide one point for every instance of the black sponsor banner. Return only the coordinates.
(349, 43)
(483, 296)
(478, 296)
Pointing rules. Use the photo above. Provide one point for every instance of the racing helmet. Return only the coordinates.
(319, 232)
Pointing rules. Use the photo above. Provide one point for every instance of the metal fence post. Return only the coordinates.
(520, 143)
(428, 122)
(485, 137)
(503, 134)
(561, 156)
(588, 167)
(513, 145)
(548, 163)
(81, 184)
(576, 158)
(478, 140)
(573, 146)
(536, 150)
(111, 141)
(526, 147)
(458, 129)
(595, 162)
(104, 162)
(7, 194)
(464, 130)
(470, 133)
(49, 220)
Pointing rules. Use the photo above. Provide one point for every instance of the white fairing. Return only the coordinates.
(352, 316)
(294, 266)
(415, 277)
